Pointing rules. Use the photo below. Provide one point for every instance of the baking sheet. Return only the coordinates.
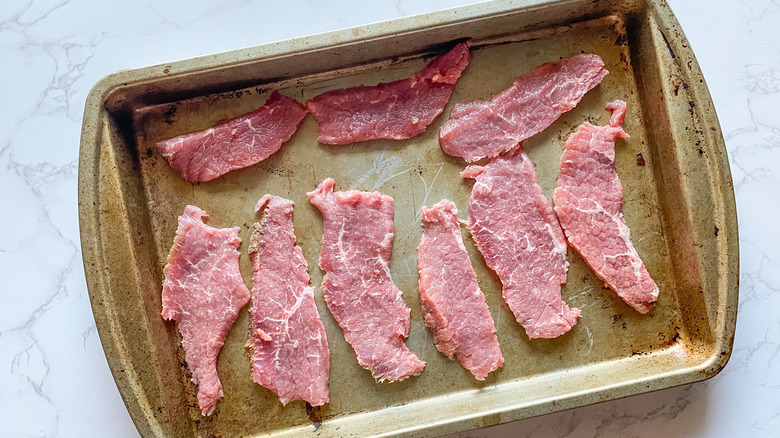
(677, 202)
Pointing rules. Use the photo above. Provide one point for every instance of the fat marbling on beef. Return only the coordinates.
(535, 100)
(453, 305)
(589, 204)
(357, 242)
(203, 292)
(394, 110)
(518, 234)
(236, 143)
(287, 344)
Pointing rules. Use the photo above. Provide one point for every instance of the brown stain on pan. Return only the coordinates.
(315, 415)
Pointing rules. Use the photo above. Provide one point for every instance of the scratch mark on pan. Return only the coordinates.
(418, 216)
(498, 317)
(381, 182)
(645, 235)
(590, 340)
(407, 267)
(588, 289)
(383, 168)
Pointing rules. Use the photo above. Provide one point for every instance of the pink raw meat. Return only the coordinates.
(395, 110)
(535, 100)
(453, 305)
(589, 204)
(287, 344)
(518, 234)
(235, 144)
(203, 291)
(357, 242)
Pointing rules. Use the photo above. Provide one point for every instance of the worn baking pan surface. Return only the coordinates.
(678, 202)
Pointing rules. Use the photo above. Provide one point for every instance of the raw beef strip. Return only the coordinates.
(518, 234)
(589, 203)
(535, 100)
(453, 305)
(235, 144)
(357, 242)
(203, 291)
(287, 344)
(394, 110)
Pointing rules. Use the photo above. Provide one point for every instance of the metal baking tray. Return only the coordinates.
(679, 204)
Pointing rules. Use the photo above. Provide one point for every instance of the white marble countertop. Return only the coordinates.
(54, 379)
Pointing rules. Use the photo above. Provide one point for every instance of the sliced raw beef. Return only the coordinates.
(394, 110)
(535, 100)
(453, 305)
(287, 344)
(357, 242)
(518, 234)
(235, 144)
(203, 291)
(589, 203)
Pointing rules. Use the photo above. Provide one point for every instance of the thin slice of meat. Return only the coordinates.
(535, 100)
(357, 242)
(589, 204)
(517, 232)
(236, 143)
(395, 110)
(287, 344)
(203, 292)
(453, 305)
